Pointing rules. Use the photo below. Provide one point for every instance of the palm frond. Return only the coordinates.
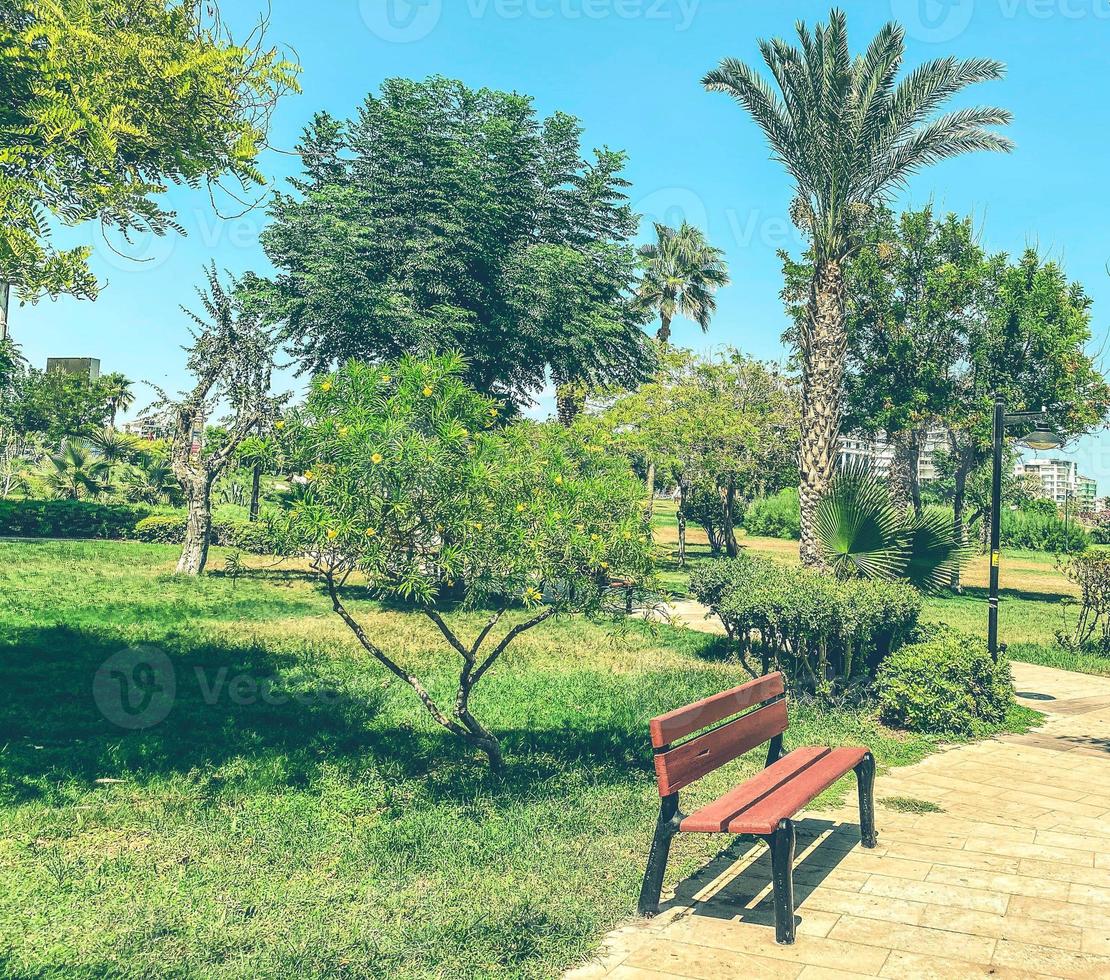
(860, 532)
(934, 551)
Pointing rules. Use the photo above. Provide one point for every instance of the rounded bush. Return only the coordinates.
(161, 529)
(775, 517)
(944, 685)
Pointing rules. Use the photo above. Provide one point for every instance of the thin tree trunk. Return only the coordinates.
(681, 524)
(256, 488)
(731, 547)
(823, 349)
(959, 496)
(664, 335)
(650, 490)
(198, 526)
(917, 442)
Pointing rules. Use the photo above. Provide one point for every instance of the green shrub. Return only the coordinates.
(945, 685)
(1039, 531)
(161, 529)
(822, 632)
(775, 517)
(258, 537)
(69, 519)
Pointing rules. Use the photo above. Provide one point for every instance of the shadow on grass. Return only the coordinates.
(292, 718)
(980, 594)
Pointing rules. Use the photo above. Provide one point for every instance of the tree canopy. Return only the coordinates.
(106, 103)
(447, 218)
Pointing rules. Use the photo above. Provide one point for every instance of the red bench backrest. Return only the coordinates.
(678, 766)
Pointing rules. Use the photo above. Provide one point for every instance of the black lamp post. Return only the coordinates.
(1040, 438)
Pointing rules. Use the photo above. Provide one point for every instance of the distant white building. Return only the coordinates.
(876, 452)
(1061, 482)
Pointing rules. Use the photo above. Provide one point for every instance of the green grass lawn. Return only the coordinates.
(1034, 596)
(328, 828)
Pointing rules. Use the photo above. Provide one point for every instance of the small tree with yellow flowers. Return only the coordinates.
(413, 487)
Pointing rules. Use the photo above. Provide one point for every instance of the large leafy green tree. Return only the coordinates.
(106, 103)
(446, 218)
(682, 273)
(848, 132)
(728, 424)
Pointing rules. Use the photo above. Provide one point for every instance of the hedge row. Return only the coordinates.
(823, 632)
(84, 519)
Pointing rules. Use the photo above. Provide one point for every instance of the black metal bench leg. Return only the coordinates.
(782, 880)
(657, 859)
(865, 783)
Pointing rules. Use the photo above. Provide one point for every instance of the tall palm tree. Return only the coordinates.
(120, 395)
(848, 132)
(682, 271)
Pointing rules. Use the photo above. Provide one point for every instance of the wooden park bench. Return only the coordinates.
(764, 805)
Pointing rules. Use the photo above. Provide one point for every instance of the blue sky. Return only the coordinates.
(630, 70)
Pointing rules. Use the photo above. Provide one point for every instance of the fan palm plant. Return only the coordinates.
(152, 482)
(848, 132)
(682, 271)
(113, 448)
(861, 533)
(120, 396)
(73, 473)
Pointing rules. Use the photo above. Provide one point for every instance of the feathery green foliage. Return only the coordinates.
(106, 102)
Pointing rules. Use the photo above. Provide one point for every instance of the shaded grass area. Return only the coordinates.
(296, 813)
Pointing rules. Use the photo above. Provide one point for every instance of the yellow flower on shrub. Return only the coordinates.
(332, 534)
(325, 385)
(520, 508)
(478, 525)
(493, 413)
(370, 532)
(343, 430)
(279, 425)
(558, 481)
(386, 378)
(309, 475)
(376, 458)
(427, 391)
(532, 594)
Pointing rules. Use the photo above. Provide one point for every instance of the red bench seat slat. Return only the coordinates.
(764, 815)
(701, 714)
(714, 818)
(691, 760)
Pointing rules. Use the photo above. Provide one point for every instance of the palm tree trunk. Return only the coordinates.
(823, 351)
(569, 402)
(664, 335)
(900, 469)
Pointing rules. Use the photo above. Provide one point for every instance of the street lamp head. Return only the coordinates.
(1042, 438)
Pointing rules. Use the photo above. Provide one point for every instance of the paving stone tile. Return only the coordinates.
(708, 963)
(913, 939)
(760, 941)
(937, 893)
(1096, 941)
(1000, 884)
(1089, 895)
(1054, 910)
(1055, 962)
(1054, 934)
(866, 906)
(827, 973)
(1077, 841)
(1055, 871)
(916, 966)
(1066, 855)
(635, 973)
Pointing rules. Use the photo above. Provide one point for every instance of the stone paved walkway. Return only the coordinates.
(1011, 880)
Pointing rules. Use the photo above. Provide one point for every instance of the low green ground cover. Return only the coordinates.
(296, 813)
